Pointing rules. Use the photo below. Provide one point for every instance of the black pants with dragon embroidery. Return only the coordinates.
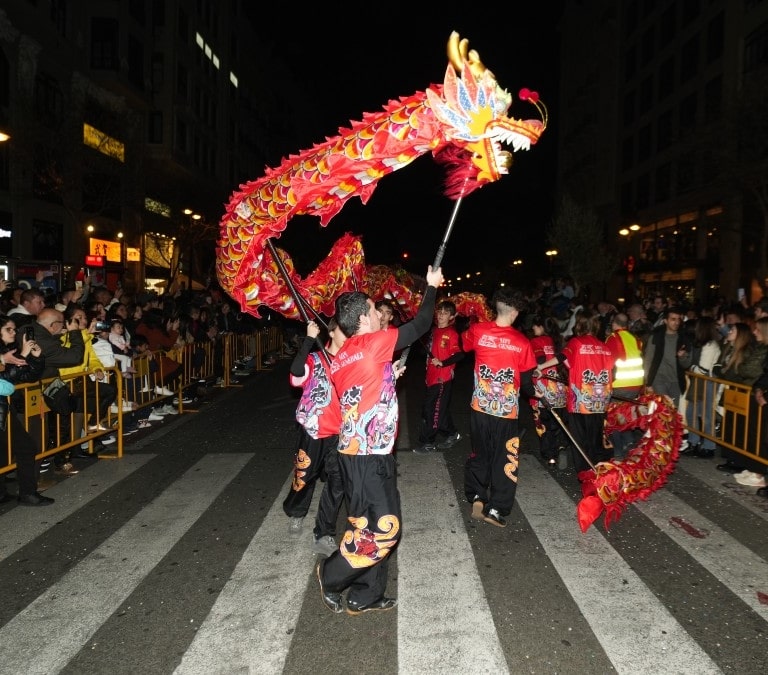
(374, 527)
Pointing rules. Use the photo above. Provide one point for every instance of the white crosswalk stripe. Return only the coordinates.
(445, 623)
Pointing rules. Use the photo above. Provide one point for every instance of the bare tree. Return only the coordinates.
(579, 237)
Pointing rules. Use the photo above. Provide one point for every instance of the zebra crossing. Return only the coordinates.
(674, 587)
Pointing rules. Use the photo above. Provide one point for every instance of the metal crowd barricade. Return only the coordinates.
(735, 420)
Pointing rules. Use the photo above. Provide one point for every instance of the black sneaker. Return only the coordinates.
(35, 499)
(492, 516)
(331, 600)
(450, 441)
(425, 449)
(381, 605)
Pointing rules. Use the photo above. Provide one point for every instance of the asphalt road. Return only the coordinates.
(176, 559)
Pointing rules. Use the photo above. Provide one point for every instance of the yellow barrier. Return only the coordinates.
(54, 433)
(740, 417)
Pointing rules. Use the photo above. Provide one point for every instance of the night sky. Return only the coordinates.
(349, 65)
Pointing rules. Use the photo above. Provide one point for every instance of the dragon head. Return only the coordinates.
(473, 109)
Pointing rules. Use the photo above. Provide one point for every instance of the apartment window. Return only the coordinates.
(686, 174)
(668, 27)
(47, 240)
(646, 94)
(664, 130)
(644, 143)
(629, 107)
(630, 62)
(691, 10)
(182, 87)
(689, 59)
(5, 80)
(46, 175)
(49, 101)
(648, 45)
(666, 78)
(663, 183)
(715, 38)
(628, 153)
(136, 62)
(181, 136)
(688, 113)
(627, 207)
(643, 191)
(756, 48)
(155, 127)
(104, 42)
(713, 99)
(158, 72)
(630, 18)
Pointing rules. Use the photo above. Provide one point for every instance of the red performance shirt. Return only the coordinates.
(501, 355)
(590, 363)
(553, 388)
(445, 343)
(364, 380)
(318, 410)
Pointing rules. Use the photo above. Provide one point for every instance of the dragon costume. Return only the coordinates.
(463, 123)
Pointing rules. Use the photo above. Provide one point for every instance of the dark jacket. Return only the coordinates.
(56, 355)
(658, 339)
(18, 375)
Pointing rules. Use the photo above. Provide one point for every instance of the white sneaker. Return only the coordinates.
(325, 546)
(294, 525)
(155, 417)
(127, 407)
(753, 480)
(163, 391)
(108, 440)
(168, 409)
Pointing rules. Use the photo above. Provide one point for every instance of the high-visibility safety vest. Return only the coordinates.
(629, 369)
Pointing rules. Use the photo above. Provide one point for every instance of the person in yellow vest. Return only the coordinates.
(628, 375)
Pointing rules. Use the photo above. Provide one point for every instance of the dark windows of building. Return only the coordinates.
(629, 107)
(713, 99)
(691, 10)
(666, 78)
(689, 59)
(155, 127)
(46, 175)
(715, 37)
(756, 48)
(158, 72)
(104, 43)
(630, 62)
(6, 233)
(688, 114)
(182, 86)
(5, 80)
(644, 143)
(643, 191)
(663, 183)
(137, 11)
(182, 26)
(668, 27)
(49, 100)
(180, 143)
(628, 153)
(59, 16)
(631, 18)
(158, 13)
(646, 94)
(627, 202)
(686, 174)
(47, 240)
(664, 130)
(136, 62)
(648, 45)
(101, 193)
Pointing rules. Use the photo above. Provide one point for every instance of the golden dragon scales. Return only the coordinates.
(464, 123)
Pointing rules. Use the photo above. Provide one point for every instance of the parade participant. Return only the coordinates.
(546, 342)
(504, 362)
(444, 353)
(628, 375)
(364, 378)
(318, 415)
